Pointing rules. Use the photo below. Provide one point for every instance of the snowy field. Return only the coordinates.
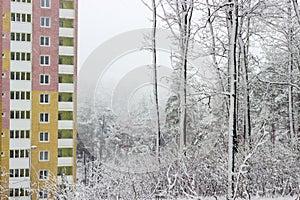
(256, 198)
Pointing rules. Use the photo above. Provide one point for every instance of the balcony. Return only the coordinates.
(66, 87)
(21, 27)
(21, 7)
(65, 161)
(67, 13)
(17, 85)
(65, 143)
(20, 104)
(20, 46)
(20, 124)
(19, 163)
(20, 143)
(66, 69)
(65, 124)
(23, 182)
(66, 32)
(24, 66)
(66, 51)
(68, 106)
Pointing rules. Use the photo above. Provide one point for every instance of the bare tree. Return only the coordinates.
(155, 81)
(184, 13)
(232, 126)
(290, 70)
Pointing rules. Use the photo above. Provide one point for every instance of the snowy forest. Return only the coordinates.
(234, 137)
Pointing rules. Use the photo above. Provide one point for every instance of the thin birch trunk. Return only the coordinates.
(290, 71)
(184, 13)
(244, 70)
(233, 26)
(155, 87)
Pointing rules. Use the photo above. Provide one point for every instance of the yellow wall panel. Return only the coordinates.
(6, 60)
(6, 21)
(4, 180)
(36, 128)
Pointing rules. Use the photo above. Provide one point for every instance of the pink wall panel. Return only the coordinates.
(5, 44)
(6, 99)
(53, 32)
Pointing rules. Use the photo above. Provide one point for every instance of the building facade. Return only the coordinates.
(38, 104)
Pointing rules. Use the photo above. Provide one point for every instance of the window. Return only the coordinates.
(23, 1)
(44, 137)
(44, 155)
(19, 134)
(44, 60)
(44, 98)
(44, 79)
(19, 95)
(23, 153)
(18, 192)
(44, 117)
(45, 41)
(16, 173)
(43, 175)
(19, 114)
(20, 17)
(3, 55)
(45, 21)
(20, 56)
(2, 153)
(45, 3)
(23, 76)
(43, 194)
(24, 37)
(3, 134)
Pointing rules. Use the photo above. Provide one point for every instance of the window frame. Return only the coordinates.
(43, 153)
(44, 43)
(43, 22)
(43, 77)
(42, 136)
(43, 98)
(44, 174)
(43, 4)
(43, 58)
(43, 115)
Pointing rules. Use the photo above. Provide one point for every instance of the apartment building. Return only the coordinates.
(38, 104)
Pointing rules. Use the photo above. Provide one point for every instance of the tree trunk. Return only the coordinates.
(290, 71)
(184, 13)
(247, 117)
(233, 26)
(155, 87)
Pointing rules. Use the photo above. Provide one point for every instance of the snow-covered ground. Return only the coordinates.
(256, 198)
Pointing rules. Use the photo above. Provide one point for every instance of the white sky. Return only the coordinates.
(100, 20)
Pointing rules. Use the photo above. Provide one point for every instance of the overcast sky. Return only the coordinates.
(99, 20)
